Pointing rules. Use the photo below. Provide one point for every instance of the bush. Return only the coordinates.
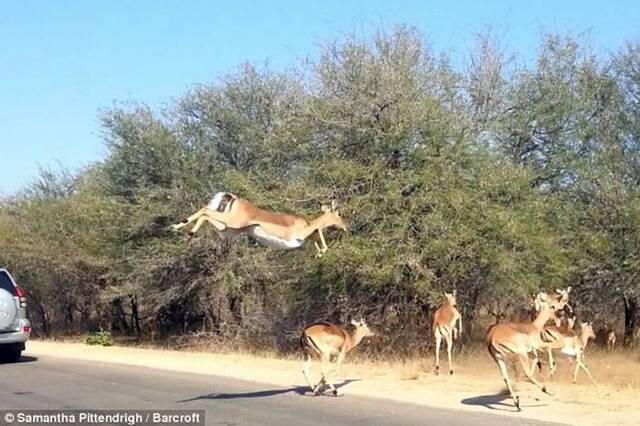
(102, 338)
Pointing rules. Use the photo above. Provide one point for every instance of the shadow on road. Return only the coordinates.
(300, 390)
(496, 402)
(23, 359)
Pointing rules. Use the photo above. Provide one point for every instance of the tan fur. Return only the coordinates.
(329, 341)
(238, 216)
(519, 339)
(444, 327)
(562, 338)
(611, 340)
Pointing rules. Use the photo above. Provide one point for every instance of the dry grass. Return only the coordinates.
(476, 385)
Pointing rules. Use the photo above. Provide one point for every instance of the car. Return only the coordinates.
(15, 328)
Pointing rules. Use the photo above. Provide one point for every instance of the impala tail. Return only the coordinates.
(222, 202)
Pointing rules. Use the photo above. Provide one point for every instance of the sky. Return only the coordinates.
(62, 62)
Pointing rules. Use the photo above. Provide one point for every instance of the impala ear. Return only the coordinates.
(455, 292)
(568, 289)
(325, 209)
(354, 322)
(334, 205)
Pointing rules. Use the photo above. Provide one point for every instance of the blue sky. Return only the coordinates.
(62, 61)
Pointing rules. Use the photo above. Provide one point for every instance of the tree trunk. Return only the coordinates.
(630, 319)
(135, 317)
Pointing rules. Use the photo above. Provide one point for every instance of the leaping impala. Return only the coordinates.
(521, 339)
(329, 341)
(231, 215)
(444, 327)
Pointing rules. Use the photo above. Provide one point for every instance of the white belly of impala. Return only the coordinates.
(569, 351)
(272, 241)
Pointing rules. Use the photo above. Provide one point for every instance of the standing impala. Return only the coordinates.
(329, 341)
(231, 215)
(444, 327)
(520, 339)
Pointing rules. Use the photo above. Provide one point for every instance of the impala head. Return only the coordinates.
(332, 213)
(566, 313)
(543, 300)
(362, 328)
(563, 294)
(451, 298)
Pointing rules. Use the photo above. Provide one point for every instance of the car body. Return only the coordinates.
(15, 328)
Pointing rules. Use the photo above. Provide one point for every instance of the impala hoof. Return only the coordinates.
(547, 391)
(516, 402)
(337, 392)
(451, 372)
(437, 372)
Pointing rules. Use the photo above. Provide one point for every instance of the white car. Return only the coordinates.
(15, 328)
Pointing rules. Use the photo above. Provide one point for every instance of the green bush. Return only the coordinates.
(102, 338)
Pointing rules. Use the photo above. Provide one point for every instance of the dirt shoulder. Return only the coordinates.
(475, 387)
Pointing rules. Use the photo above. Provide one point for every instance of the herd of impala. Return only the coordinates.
(232, 216)
(523, 341)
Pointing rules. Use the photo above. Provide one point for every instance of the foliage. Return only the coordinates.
(497, 179)
(102, 338)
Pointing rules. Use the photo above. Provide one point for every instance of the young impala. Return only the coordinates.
(570, 344)
(555, 335)
(329, 342)
(609, 336)
(444, 327)
(520, 339)
(231, 215)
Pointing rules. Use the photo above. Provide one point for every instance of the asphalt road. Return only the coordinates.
(57, 383)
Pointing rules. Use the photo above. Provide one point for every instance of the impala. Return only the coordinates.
(231, 215)
(555, 335)
(572, 345)
(444, 327)
(521, 339)
(611, 339)
(329, 342)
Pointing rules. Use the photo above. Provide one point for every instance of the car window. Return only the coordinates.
(6, 283)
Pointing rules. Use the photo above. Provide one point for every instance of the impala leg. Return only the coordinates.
(449, 348)
(201, 220)
(220, 226)
(324, 243)
(536, 361)
(528, 371)
(438, 340)
(580, 364)
(505, 376)
(333, 372)
(323, 376)
(306, 369)
(207, 217)
(319, 251)
(188, 220)
(552, 363)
